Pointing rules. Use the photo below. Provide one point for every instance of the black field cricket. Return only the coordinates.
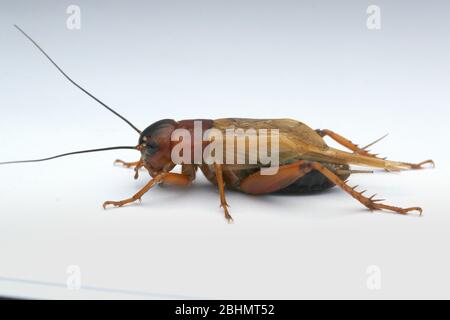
(299, 161)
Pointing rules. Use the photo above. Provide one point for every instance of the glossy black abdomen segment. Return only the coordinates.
(310, 183)
(313, 181)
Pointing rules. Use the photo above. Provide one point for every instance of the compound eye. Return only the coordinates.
(153, 145)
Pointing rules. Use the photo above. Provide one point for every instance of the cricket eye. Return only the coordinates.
(152, 145)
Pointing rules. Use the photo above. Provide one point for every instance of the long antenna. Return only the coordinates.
(73, 82)
(68, 154)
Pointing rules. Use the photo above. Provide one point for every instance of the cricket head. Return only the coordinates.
(155, 146)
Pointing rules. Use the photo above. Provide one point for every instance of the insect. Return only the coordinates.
(306, 163)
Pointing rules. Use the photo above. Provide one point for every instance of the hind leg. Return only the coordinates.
(363, 151)
(371, 203)
(257, 183)
(346, 142)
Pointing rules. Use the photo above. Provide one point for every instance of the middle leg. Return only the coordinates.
(221, 186)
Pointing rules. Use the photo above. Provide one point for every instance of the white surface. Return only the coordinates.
(318, 64)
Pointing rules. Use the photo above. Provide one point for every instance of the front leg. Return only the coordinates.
(137, 165)
(169, 178)
(138, 195)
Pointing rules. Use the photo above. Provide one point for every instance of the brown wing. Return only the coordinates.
(295, 138)
(297, 141)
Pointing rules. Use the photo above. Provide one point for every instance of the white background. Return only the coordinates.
(312, 61)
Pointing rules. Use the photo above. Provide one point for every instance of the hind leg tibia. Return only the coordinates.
(371, 203)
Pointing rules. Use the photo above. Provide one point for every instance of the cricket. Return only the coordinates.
(305, 163)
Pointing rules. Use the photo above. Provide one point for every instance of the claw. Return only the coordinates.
(128, 164)
(375, 205)
(420, 165)
(225, 207)
(420, 210)
(114, 203)
(121, 162)
(120, 203)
